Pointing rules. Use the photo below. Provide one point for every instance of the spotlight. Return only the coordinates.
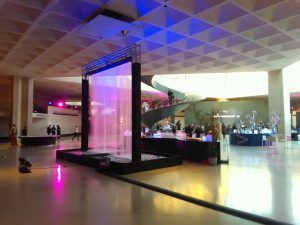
(124, 32)
(24, 166)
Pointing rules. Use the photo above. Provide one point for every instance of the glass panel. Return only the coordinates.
(110, 111)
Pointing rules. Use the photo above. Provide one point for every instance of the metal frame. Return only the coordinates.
(131, 53)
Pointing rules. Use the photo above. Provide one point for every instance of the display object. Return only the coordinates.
(275, 121)
(111, 117)
(251, 120)
(239, 123)
(110, 110)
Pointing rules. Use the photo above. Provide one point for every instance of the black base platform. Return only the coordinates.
(38, 140)
(105, 162)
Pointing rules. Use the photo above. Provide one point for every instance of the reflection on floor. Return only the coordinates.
(79, 195)
(256, 181)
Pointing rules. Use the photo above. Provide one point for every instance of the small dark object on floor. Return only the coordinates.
(24, 166)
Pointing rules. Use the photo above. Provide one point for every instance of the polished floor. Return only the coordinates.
(79, 195)
(256, 180)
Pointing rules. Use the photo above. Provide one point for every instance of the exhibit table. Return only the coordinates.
(246, 139)
(295, 136)
(38, 140)
(189, 149)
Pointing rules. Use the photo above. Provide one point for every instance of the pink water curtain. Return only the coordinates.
(110, 111)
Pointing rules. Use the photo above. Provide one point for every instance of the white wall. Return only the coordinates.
(67, 122)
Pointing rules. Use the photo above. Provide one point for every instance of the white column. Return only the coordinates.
(27, 104)
(17, 103)
(279, 101)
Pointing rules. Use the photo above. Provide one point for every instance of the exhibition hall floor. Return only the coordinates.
(256, 181)
(78, 195)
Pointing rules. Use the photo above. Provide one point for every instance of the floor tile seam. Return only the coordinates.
(199, 202)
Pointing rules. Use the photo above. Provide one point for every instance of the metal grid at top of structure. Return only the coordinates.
(131, 52)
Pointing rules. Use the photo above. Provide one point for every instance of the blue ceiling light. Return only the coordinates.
(145, 7)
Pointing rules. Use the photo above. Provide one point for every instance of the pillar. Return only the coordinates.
(279, 101)
(22, 103)
(27, 104)
(136, 112)
(85, 114)
(17, 103)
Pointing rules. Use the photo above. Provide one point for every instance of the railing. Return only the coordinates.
(161, 104)
(131, 52)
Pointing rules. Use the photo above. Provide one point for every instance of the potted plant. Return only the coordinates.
(212, 154)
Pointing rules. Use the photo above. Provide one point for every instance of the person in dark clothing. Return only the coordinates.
(190, 130)
(53, 130)
(178, 124)
(170, 96)
(233, 127)
(198, 132)
(174, 130)
(223, 130)
(24, 131)
(186, 129)
(49, 130)
(58, 130)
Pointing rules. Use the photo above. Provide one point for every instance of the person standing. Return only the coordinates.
(58, 130)
(174, 130)
(53, 130)
(198, 132)
(76, 134)
(190, 130)
(13, 135)
(49, 130)
(24, 131)
(170, 96)
(178, 124)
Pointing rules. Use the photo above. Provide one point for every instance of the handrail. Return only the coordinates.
(162, 104)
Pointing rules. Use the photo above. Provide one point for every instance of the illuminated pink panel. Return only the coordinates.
(110, 111)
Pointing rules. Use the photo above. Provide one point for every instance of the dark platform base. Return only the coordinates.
(190, 150)
(96, 161)
(246, 139)
(35, 140)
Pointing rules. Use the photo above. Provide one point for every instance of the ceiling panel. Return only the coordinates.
(55, 37)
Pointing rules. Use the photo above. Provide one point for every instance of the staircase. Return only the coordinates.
(161, 111)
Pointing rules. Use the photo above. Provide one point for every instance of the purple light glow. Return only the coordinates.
(110, 96)
(58, 170)
(60, 104)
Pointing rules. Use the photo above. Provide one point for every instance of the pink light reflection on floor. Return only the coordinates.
(58, 177)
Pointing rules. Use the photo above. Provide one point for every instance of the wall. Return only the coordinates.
(41, 99)
(67, 121)
(5, 105)
(196, 112)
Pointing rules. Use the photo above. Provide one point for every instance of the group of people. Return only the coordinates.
(52, 130)
(190, 130)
